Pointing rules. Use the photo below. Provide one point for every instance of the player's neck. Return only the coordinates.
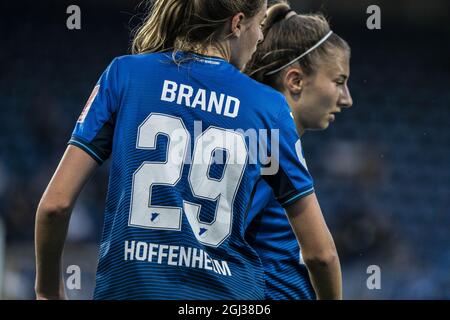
(213, 51)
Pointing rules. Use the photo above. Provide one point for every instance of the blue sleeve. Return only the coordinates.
(291, 179)
(94, 129)
(263, 194)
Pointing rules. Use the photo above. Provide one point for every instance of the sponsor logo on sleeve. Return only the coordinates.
(88, 105)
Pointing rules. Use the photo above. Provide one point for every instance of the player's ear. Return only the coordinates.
(293, 81)
(236, 24)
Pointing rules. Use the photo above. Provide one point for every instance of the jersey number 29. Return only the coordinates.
(169, 173)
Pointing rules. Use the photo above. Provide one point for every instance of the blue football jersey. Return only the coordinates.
(183, 171)
(270, 234)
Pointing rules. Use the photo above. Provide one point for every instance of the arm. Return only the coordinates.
(52, 220)
(317, 245)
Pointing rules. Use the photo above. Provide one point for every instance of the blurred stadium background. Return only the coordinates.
(382, 171)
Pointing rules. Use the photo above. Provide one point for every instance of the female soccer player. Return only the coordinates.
(309, 64)
(174, 219)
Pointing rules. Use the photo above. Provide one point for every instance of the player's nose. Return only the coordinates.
(261, 36)
(345, 99)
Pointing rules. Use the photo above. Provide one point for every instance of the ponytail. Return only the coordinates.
(183, 25)
(288, 36)
(162, 26)
(275, 14)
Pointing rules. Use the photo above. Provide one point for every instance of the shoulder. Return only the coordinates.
(138, 59)
(128, 68)
(271, 101)
(266, 96)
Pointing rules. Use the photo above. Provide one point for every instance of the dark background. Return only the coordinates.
(382, 171)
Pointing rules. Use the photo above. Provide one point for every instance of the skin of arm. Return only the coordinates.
(317, 245)
(52, 220)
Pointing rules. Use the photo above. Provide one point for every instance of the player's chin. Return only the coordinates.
(329, 118)
(325, 123)
(319, 126)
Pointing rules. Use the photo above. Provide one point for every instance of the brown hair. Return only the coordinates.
(184, 25)
(285, 39)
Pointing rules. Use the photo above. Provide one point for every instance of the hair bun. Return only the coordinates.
(276, 14)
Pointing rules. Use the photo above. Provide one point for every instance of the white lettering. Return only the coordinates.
(161, 253)
(169, 91)
(207, 101)
(185, 256)
(152, 252)
(186, 93)
(197, 258)
(172, 255)
(129, 250)
(217, 104)
(141, 246)
(208, 262)
(200, 99)
(234, 113)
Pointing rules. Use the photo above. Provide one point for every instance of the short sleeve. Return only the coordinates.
(94, 129)
(290, 180)
(262, 196)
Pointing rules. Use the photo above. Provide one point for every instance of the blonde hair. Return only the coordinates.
(188, 25)
(286, 36)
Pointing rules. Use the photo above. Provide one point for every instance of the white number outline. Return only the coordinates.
(217, 199)
(180, 209)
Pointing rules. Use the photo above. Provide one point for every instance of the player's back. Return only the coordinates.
(174, 217)
(270, 234)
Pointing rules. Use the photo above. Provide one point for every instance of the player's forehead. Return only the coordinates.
(262, 13)
(335, 64)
